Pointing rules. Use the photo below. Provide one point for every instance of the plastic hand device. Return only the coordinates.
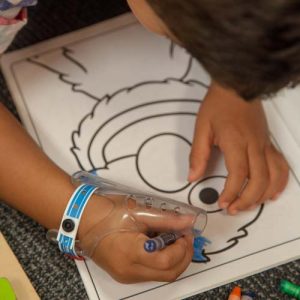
(133, 210)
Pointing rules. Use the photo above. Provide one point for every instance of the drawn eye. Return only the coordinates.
(205, 194)
(209, 195)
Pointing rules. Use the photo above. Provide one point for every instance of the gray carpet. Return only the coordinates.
(53, 276)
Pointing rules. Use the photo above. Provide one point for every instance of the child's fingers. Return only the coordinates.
(164, 259)
(278, 171)
(201, 150)
(257, 183)
(141, 272)
(120, 254)
(237, 165)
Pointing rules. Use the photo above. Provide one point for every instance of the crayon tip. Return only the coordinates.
(236, 293)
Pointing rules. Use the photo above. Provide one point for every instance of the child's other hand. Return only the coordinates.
(121, 253)
(256, 170)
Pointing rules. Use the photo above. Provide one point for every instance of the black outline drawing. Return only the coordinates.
(75, 87)
(195, 185)
(142, 176)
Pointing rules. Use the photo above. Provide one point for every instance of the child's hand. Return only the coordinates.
(121, 252)
(256, 170)
(123, 256)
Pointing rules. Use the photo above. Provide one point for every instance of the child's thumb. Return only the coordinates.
(164, 221)
(200, 152)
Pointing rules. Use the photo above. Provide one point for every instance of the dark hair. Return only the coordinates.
(250, 46)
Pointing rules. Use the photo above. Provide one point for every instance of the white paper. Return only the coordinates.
(119, 100)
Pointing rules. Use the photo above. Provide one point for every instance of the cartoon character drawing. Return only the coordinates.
(141, 135)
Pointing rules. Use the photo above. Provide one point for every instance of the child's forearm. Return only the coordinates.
(29, 181)
(32, 183)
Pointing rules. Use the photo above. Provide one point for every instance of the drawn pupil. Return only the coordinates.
(209, 196)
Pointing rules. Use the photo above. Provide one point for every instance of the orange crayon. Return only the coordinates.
(235, 294)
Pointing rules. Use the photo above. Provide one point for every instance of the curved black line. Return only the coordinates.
(88, 115)
(78, 133)
(97, 169)
(189, 67)
(81, 167)
(115, 160)
(171, 49)
(192, 81)
(207, 259)
(167, 80)
(129, 89)
(122, 113)
(214, 211)
(66, 54)
(140, 173)
(236, 239)
(243, 228)
(30, 60)
(106, 167)
(61, 77)
(133, 123)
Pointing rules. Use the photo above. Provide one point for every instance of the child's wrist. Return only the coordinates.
(96, 210)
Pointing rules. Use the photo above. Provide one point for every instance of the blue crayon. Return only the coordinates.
(161, 241)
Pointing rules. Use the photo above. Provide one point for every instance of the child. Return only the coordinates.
(241, 48)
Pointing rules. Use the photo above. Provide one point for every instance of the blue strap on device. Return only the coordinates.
(70, 222)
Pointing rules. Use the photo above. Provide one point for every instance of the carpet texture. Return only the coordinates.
(53, 276)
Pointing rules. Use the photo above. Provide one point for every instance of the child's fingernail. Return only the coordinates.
(224, 205)
(275, 197)
(252, 207)
(233, 211)
(191, 175)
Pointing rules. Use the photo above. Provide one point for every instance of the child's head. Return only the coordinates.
(250, 46)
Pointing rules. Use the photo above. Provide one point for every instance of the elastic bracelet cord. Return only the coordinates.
(70, 222)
